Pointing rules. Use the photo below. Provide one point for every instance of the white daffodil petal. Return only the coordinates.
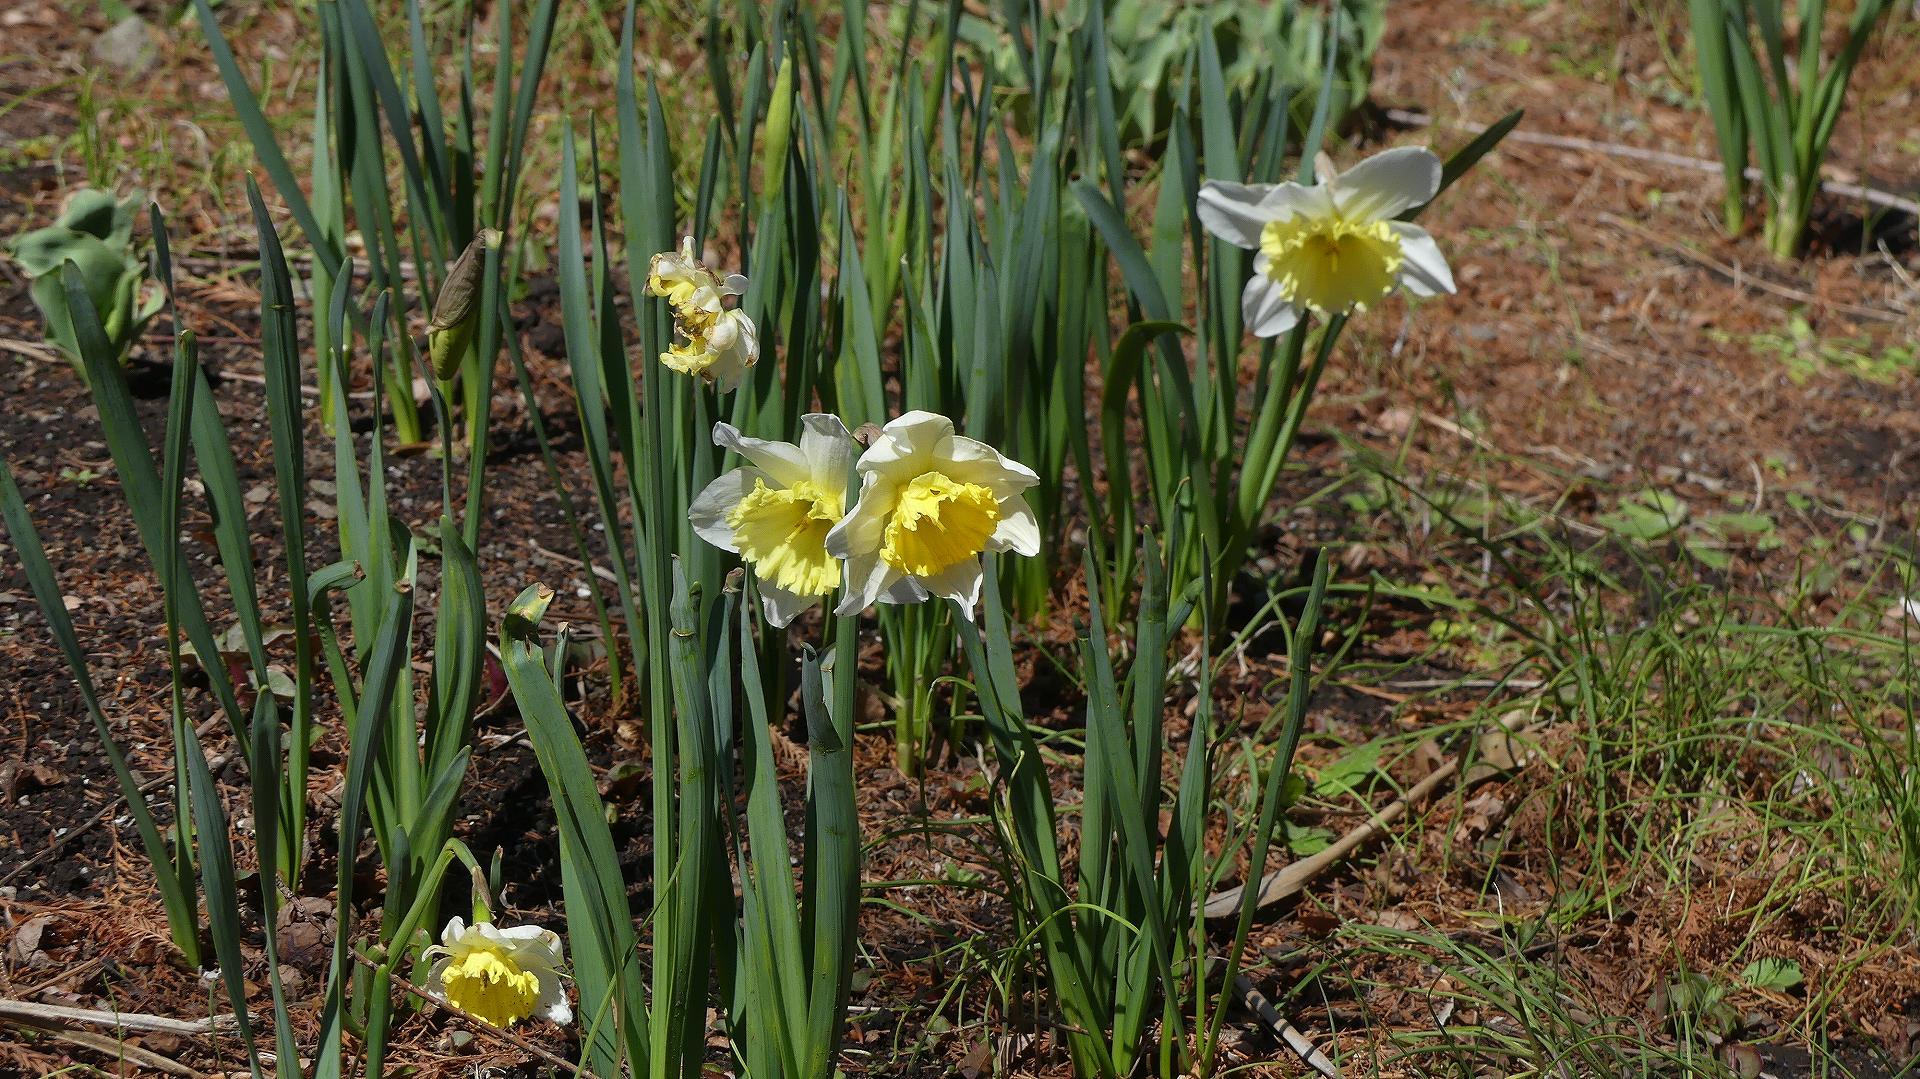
(1235, 212)
(1264, 306)
(1018, 530)
(863, 529)
(781, 605)
(906, 443)
(734, 285)
(960, 582)
(1387, 184)
(1425, 271)
(783, 462)
(736, 346)
(829, 450)
(903, 591)
(553, 1006)
(532, 945)
(716, 502)
(867, 579)
(972, 461)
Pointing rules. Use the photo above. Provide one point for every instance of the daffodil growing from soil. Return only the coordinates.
(1331, 247)
(931, 502)
(500, 976)
(721, 342)
(775, 512)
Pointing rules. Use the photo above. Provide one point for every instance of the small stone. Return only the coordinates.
(130, 47)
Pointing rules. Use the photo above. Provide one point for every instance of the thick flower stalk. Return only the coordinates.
(775, 511)
(500, 976)
(720, 342)
(1335, 246)
(931, 502)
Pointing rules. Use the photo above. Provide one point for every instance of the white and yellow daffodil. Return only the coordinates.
(721, 343)
(680, 278)
(776, 510)
(720, 353)
(930, 502)
(1333, 247)
(500, 976)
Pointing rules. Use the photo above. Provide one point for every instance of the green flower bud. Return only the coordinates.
(455, 310)
(779, 126)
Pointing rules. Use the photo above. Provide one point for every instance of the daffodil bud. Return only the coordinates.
(458, 306)
(779, 124)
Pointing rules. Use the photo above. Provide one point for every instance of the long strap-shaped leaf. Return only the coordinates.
(175, 894)
(260, 133)
(140, 484)
(599, 925)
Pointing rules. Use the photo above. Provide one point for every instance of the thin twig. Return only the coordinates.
(1873, 196)
(113, 1047)
(1742, 279)
(567, 560)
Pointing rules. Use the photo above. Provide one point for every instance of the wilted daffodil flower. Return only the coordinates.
(721, 354)
(776, 510)
(1333, 247)
(721, 342)
(500, 976)
(930, 502)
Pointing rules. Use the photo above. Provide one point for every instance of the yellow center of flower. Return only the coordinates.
(694, 321)
(1331, 264)
(938, 523)
(691, 358)
(782, 534)
(491, 987)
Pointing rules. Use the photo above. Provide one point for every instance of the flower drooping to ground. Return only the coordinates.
(1332, 247)
(500, 976)
(931, 501)
(720, 342)
(776, 511)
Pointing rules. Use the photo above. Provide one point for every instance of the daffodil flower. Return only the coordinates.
(930, 502)
(500, 976)
(1333, 247)
(721, 353)
(721, 343)
(776, 510)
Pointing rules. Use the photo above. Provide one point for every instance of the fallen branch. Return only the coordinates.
(1872, 196)
(1301, 1045)
(53, 1014)
(1291, 879)
(1740, 279)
